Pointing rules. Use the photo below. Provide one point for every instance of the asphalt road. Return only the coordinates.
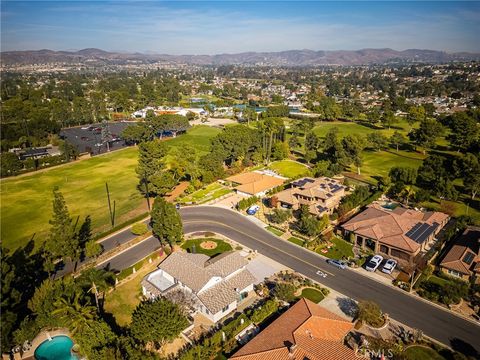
(433, 321)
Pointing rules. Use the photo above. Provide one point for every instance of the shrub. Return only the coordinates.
(139, 228)
(370, 313)
(284, 292)
(279, 216)
(263, 312)
(246, 203)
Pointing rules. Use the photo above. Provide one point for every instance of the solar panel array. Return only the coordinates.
(302, 182)
(421, 232)
(468, 258)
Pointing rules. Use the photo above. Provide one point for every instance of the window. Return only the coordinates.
(454, 273)
(225, 308)
(384, 249)
(400, 254)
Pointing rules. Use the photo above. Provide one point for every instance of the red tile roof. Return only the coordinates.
(306, 330)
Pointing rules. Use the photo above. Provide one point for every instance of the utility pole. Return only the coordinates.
(112, 214)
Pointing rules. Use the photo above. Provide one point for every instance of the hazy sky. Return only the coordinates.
(182, 27)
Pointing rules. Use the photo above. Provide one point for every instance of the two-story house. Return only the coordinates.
(321, 195)
(217, 285)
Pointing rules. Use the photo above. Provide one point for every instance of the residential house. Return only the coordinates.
(255, 183)
(400, 233)
(463, 259)
(305, 331)
(217, 285)
(321, 195)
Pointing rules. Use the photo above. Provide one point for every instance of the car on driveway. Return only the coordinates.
(374, 263)
(389, 266)
(338, 263)
(252, 210)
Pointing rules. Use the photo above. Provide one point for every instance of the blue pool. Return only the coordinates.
(59, 348)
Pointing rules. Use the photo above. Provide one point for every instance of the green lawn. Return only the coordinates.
(26, 205)
(274, 231)
(460, 208)
(296, 241)
(349, 128)
(208, 193)
(125, 297)
(313, 295)
(290, 168)
(222, 246)
(422, 353)
(340, 249)
(379, 163)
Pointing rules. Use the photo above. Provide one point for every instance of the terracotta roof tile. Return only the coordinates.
(307, 330)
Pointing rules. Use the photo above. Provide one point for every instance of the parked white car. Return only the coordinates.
(389, 266)
(374, 263)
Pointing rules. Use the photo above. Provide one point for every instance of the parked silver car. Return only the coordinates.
(374, 263)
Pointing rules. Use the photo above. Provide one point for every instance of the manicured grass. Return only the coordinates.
(26, 205)
(379, 163)
(296, 241)
(422, 353)
(349, 128)
(290, 168)
(126, 296)
(313, 295)
(274, 231)
(340, 249)
(210, 192)
(222, 246)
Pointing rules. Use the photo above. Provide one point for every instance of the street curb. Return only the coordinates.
(124, 250)
(120, 230)
(376, 280)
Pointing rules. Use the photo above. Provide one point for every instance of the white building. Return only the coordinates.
(217, 285)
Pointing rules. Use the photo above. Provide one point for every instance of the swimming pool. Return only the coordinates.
(59, 348)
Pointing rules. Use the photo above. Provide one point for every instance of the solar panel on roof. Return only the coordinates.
(468, 258)
(421, 232)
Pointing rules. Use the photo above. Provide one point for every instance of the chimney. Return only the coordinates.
(292, 349)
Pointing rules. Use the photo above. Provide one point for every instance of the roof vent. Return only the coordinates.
(309, 333)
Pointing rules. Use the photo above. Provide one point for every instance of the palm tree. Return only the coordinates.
(75, 315)
(407, 193)
(98, 280)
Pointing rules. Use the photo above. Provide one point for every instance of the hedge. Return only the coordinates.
(139, 228)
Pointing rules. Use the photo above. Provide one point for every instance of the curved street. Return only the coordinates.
(435, 322)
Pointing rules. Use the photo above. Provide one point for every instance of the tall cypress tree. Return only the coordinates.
(61, 242)
(166, 222)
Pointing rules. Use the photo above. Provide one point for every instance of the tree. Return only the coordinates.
(157, 321)
(279, 216)
(166, 222)
(332, 147)
(96, 281)
(388, 118)
(61, 242)
(427, 133)
(92, 249)
(74, 314)
(370, 313)
(353, 146)
(135, 134)
(415, 114)
(280, 151)
(397, 139)
(465, 131)
(377, 141)
(9, 164)
(406, 175)
(284, 292)
(151, 166)
(470, 170)
(309, 224)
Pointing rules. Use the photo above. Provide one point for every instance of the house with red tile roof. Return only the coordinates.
(305, 331)
(400, 233)
(322, 195)
(463, 259)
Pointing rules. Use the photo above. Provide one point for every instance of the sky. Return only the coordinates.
(198, 27)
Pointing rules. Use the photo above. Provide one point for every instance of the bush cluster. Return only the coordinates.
(246, 203)
(139, 228)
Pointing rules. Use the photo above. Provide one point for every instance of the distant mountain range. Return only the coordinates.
(97, 57)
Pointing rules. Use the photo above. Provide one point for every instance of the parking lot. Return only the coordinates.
(89, 138)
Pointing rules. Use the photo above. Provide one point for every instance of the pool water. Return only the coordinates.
(59, 348)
